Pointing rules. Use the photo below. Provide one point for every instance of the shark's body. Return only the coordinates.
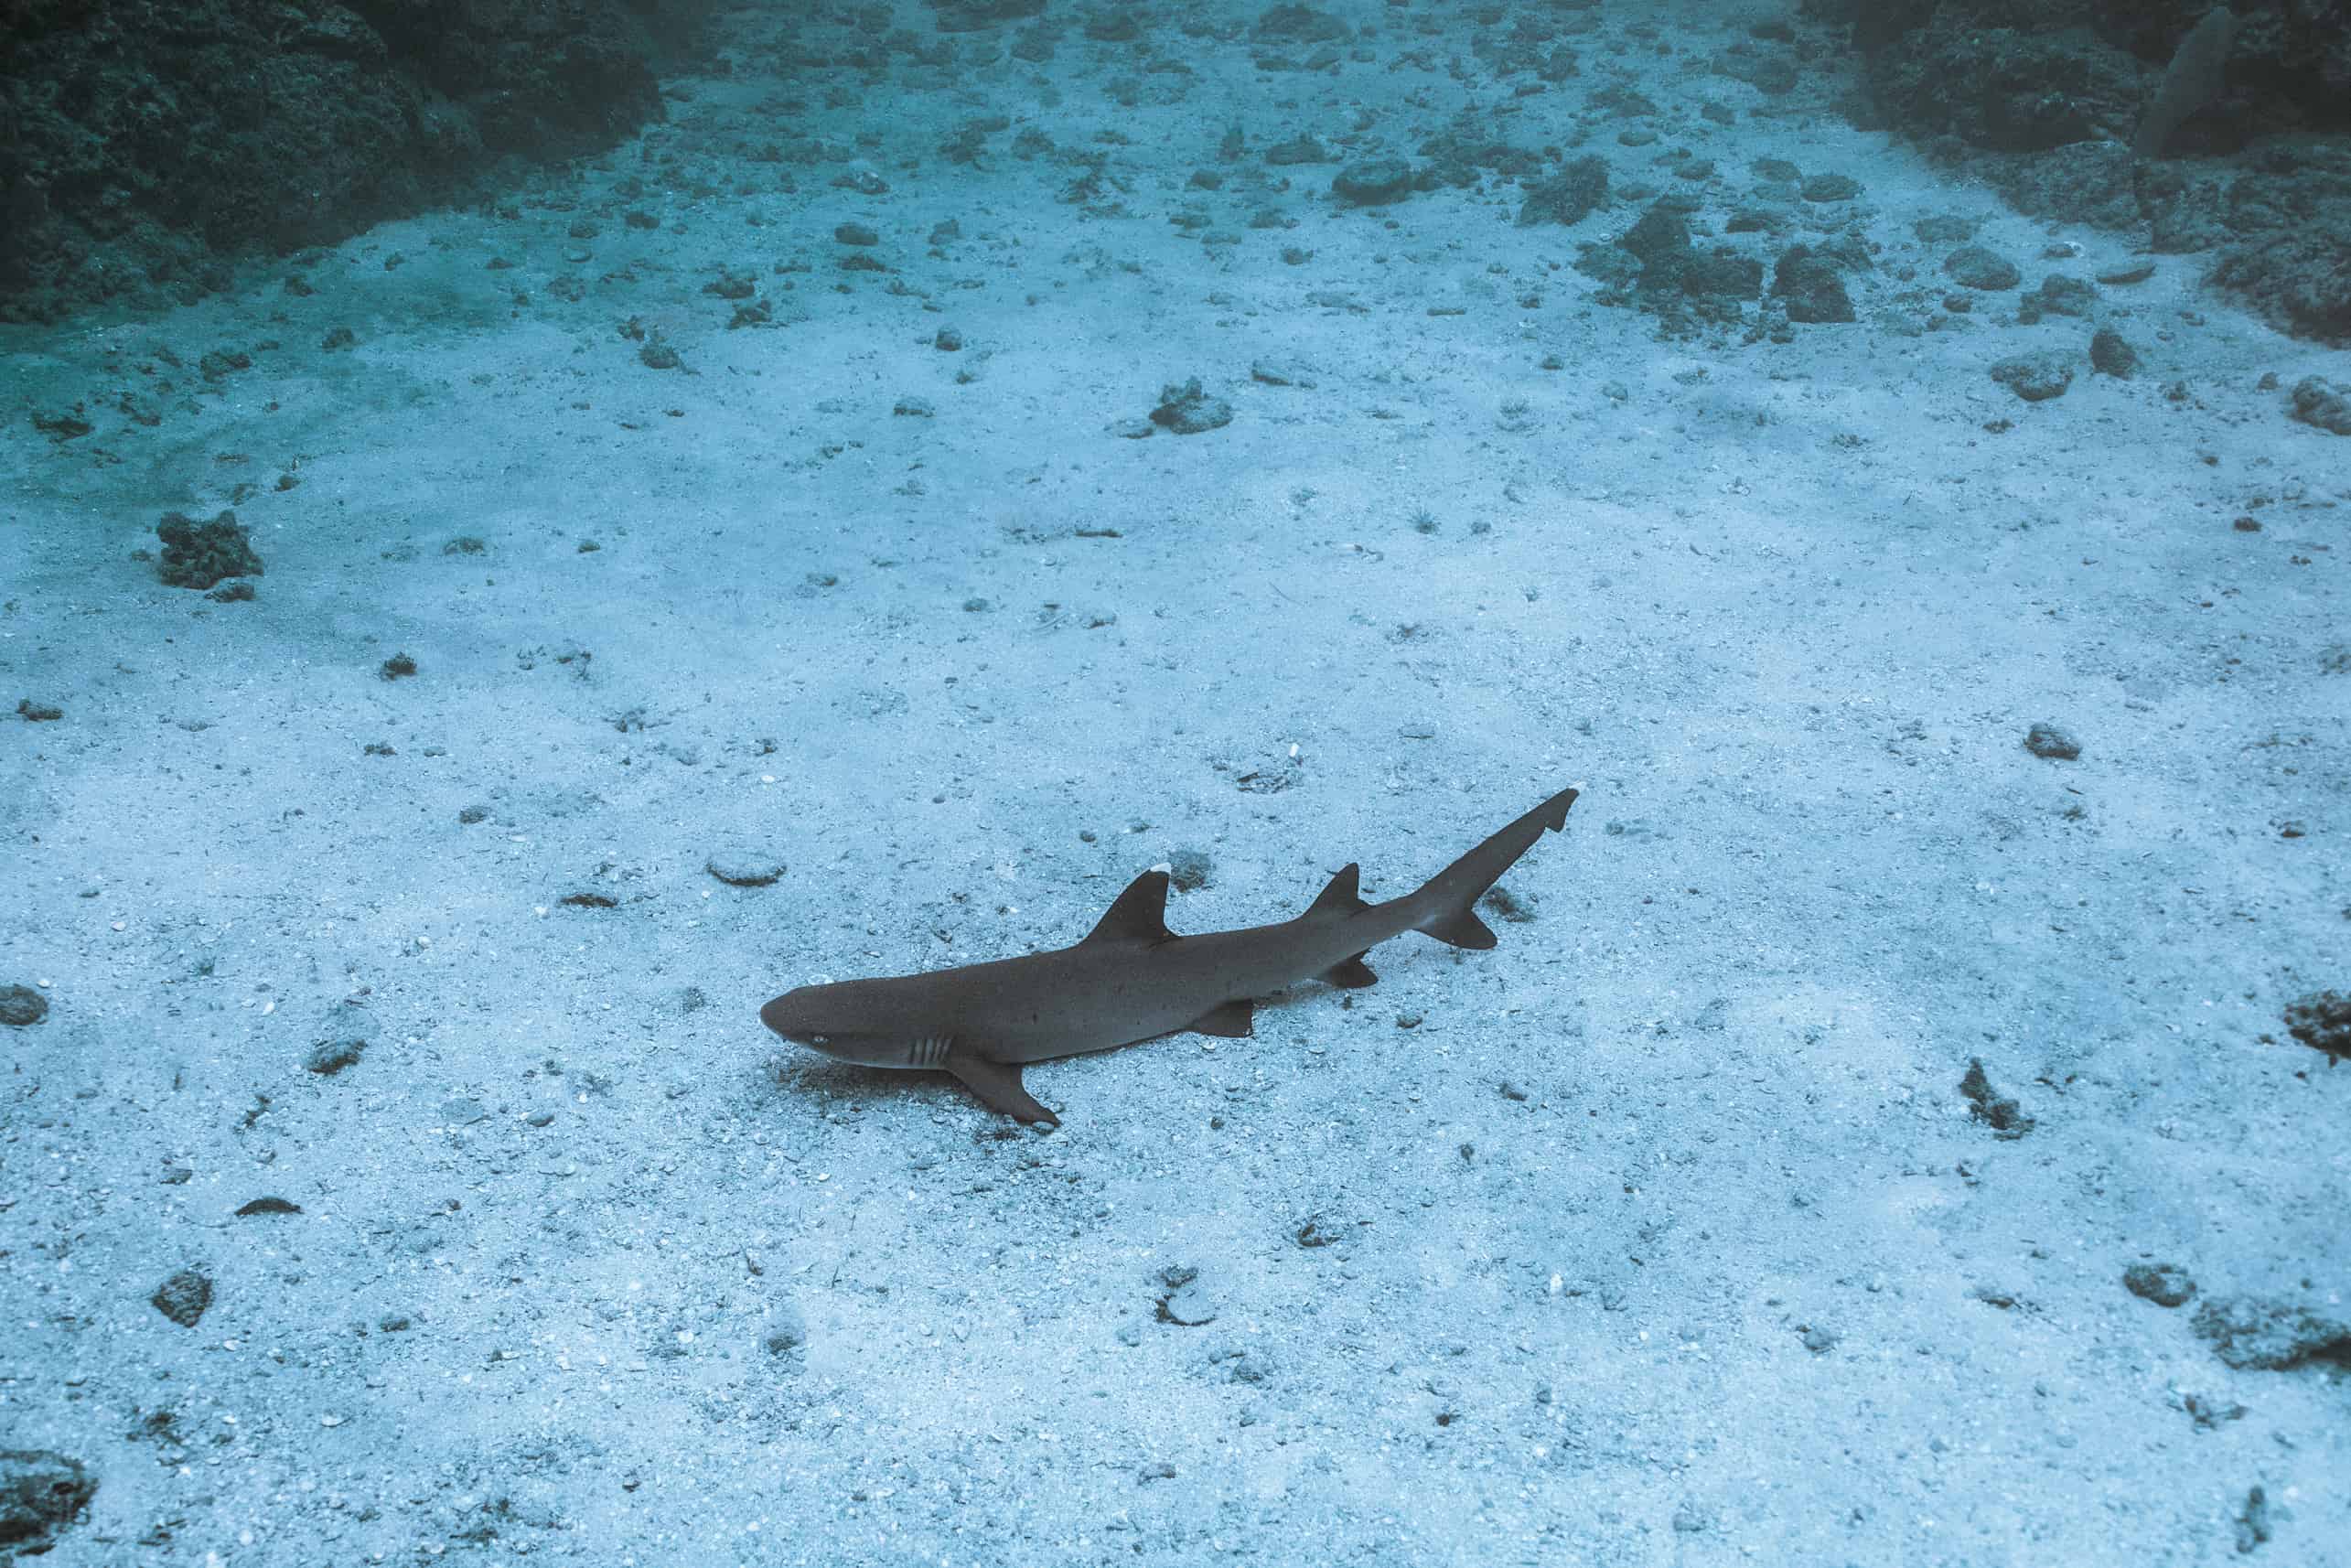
(1131, 979)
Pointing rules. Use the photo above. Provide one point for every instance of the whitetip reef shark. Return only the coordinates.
(1132, 979)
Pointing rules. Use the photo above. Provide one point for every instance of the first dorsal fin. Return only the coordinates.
(1138, 914)
(1340, 897)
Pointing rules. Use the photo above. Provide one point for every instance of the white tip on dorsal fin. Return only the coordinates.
(1138, 914)
(1341, 895)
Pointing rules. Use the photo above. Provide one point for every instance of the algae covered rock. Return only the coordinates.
(199, 554)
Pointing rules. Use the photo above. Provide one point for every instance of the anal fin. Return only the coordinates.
(1351, 972)
(1229, 1019)
(1462, 929)
(998, 1086)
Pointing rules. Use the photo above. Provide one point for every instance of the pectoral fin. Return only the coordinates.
(997, 1085)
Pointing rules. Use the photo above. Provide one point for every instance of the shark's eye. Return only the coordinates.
(819, 1039)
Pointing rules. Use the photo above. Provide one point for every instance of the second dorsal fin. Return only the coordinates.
(1341, 896)
(1137, 914)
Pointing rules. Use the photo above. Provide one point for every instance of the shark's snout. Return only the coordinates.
(844, 1021)
(788, 1017)
(806, 1016)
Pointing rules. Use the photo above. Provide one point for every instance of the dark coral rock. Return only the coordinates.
(1808, 285)
(2002, 1113)
(144, 148)
(1373, 181)
(1658, 235)
(972, 15)
(40, 1494)
(1567, 197)
(2035, 378)
(2006, 78)
(184, 1297)
(199, 554)
(2056, 296)
(331, 1057)
(1972, 267)
(2042, 102)
(2166, 1284)
(2049, 741)
(2322, 1021)
(1300, 25)
(21, 1005)
(2111, 354)
(2317, 402)
(1188, 411)
(2271, 1336)
(1298, 149)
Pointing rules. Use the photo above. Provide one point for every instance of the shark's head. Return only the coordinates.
(859, 1021)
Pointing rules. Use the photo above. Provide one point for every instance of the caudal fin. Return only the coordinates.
(1449, 895)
